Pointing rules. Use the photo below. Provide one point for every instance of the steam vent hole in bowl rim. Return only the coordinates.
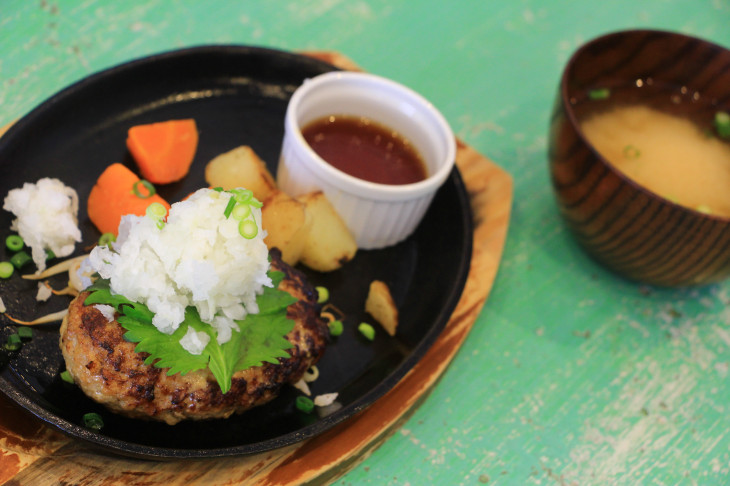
(660, 98)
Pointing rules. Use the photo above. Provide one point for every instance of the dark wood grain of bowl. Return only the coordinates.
(625, 227)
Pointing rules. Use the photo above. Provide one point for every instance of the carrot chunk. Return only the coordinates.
(163, 151)
(114, 195)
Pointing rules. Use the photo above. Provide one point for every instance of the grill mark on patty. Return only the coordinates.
(95, 348)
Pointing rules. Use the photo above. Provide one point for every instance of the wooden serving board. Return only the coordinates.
(32, 453)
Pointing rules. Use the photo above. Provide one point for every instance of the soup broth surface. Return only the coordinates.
(667, 154)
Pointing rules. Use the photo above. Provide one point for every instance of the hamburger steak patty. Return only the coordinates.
(109, 371)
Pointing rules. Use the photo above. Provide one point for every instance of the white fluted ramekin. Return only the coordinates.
(378, 215)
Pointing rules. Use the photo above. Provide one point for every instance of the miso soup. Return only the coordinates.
(668, 155)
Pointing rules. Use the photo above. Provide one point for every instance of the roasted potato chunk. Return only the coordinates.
(241, 167)
(381, 306)
(287, 225)
(329, 243)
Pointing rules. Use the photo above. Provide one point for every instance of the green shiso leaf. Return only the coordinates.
(261, 338)
(165, 351)
(274, 300)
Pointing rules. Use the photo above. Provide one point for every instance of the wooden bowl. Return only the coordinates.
(627, 228)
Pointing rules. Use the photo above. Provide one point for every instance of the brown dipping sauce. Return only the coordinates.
(365, 149)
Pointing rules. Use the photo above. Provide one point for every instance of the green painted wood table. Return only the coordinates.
(570, 374)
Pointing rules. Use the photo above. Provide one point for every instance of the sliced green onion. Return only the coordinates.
(20, 259)
(241, 211)
(157, 212)
(323, 295)
(148, 187)
(336, 327)
(66, 376)
(107, 238)
(50, 255)
(14, 243)
(25, 333)
(6, 269)
(218, 189)
(13, 343)
(245, 196)
(599, 94)
(248, 229)
(366, 330)
(93, 421)
(703, 208)
(229, 207)
(722, 124)
(311, 374)
(305, 404)
(242, 196)
(631, 152)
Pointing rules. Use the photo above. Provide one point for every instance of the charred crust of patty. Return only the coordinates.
(108, 368)
(307, 310)
(144, 392)
(293, 277)
(99, 330)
